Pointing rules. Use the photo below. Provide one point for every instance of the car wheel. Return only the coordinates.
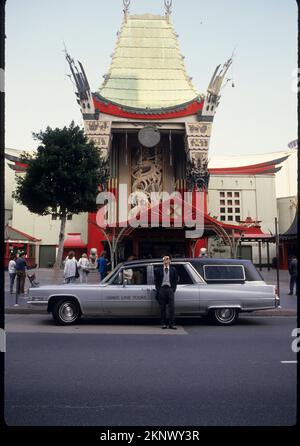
(66, 312)
(225, 316)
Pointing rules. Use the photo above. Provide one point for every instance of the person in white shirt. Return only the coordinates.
(12, 272)
(83, 266)
(203, 252)
(70, 270)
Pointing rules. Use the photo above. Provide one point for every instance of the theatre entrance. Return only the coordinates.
(149, 249)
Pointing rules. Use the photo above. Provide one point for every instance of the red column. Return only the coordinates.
(6, 256)
(205, 200)
(96, 238)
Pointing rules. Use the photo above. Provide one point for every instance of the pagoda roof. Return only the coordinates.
(266, 167)
(292, 232)
(147, 70)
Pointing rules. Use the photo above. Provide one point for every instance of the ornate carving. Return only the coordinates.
(100, 133)
(96, 127)
(202, 129)
(101, 141)
(197, 173)
(196, 143)
(147, 170)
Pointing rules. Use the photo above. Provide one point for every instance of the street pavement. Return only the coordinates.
(125, 373)
(46, 276)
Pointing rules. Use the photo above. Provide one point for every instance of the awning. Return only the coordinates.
(12, 235)
(258, 237)
(73, 240)
(255, 233)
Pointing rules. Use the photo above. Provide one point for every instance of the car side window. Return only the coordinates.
(136, 275)
(224, 272)
(183, 275)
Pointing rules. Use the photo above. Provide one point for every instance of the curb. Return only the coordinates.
(279, 312)
(20, 310)
(282, 312)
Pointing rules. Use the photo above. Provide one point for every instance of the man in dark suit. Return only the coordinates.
(293, 267)
(165, 284)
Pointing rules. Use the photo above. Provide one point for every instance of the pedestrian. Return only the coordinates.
(71, 269)
(83, 266)
(293, 266)
(102, 265)
(166, 279)
(21, 267)
(12, 272)
(203, 252)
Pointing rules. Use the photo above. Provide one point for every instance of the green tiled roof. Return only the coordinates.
(147, 69)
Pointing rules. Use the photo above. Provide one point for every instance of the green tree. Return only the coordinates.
(62, 177)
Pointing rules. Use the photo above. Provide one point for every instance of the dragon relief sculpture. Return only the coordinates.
(197, 174)
(147, 170)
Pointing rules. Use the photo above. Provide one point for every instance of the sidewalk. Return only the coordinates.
(46, 276)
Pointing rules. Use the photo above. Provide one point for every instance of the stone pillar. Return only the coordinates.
(197, 144)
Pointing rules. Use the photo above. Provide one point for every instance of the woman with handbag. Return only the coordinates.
(71, 269)
(83, 266)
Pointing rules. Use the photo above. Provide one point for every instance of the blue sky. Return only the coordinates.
(258, 115)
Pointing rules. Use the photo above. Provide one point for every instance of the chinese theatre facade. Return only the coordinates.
(153, 127)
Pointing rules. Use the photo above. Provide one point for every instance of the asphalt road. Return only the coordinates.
(132, 373)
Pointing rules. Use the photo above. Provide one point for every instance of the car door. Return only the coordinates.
(187, 296)
(128, 294)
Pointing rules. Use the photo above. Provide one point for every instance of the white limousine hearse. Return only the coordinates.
(219, 289)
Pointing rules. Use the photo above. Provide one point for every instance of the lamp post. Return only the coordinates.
(277, 254)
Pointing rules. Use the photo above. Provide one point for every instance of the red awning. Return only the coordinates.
(74, 240)
(255, 233)
(258, 236)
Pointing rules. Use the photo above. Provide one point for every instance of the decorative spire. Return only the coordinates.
(126, 4)
(168, 5)
(218, 77)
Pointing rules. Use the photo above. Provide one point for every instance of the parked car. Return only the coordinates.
(217, 288)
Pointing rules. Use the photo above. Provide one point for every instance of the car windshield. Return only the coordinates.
(108, 277)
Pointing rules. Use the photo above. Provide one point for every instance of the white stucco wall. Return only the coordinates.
(43, 227)
(9, 184)
(257, 200)
(286, 209)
